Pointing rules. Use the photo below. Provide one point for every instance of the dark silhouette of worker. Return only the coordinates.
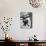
(25, 21)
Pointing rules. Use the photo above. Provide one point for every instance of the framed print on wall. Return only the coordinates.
(25, 20)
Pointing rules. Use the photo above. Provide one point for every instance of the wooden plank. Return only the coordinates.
(25, 44)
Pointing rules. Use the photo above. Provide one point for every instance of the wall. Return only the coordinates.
(12, 8)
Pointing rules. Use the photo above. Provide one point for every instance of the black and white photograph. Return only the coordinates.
(25, 20)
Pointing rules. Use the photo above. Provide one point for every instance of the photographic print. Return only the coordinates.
(25, 20)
